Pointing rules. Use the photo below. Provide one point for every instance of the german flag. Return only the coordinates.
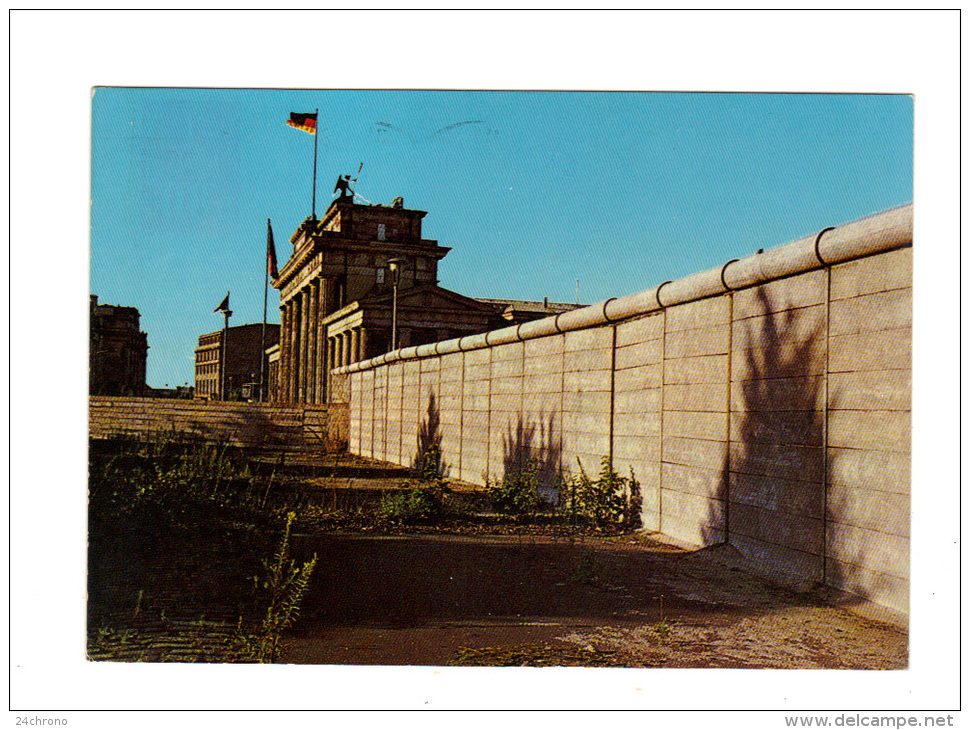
(306, 122)
(271, 252)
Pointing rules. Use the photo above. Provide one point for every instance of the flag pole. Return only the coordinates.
(316, 132)
(262, 346)
(227, 313)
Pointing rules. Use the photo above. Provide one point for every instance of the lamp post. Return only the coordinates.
(395, 266)
(225, 354)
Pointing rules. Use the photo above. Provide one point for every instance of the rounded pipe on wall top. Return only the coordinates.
(578, 319)
(502, 337)
(697, 286)
(792, 258)
(538, 328)
(631, 305)
(473, 342)
(881, 232)
(741, 273)
(448, 346)
(874, 234)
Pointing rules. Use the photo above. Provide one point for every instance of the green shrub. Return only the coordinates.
(607, 501)
(414, 504)
(517, 493)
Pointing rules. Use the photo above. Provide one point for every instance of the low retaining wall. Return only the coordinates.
(267, 426)
(765, 403)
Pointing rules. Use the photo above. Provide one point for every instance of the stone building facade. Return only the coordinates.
(337, 295)
(118, 350)
(242, 367)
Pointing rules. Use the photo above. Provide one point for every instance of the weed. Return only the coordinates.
(427, 466)
(608, 500)
(284, 586)
(516, 493)
(662, 628)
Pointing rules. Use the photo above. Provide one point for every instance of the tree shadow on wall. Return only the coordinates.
(428, 462)
(771, 498)
(534, 445)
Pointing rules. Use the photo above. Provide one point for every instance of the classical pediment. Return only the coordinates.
(426, 296)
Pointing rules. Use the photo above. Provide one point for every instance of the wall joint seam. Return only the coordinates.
(825, 421)
(660, 456)
(727, 439)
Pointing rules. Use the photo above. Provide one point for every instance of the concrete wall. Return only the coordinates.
(765, 403)
(240, 424)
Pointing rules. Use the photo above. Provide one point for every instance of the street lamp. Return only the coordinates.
(395, 266)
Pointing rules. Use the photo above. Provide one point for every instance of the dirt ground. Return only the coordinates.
(532, 600)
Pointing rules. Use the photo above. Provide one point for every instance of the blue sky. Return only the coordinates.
(532, 190)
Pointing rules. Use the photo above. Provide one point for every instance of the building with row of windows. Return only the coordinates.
(240, 362)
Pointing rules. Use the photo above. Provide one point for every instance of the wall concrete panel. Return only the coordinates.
(881, 588)
(876, 430)
(636, 402)
(886, 390)
(689, 424)
(696, 397)
(711, 369)
(880, 311)
(778, 528)
(592, 339)
(869, 509)
(801, 428)
(878, 551)
(698, 341)
(867, 351)
(693, 452)
(693, 480)
(778, 394)
(640, 450)
(644, 424)
(790, 496)
(478, 373)
(774, 559)
(644, 353)
(881, 471)
(637, 331)
(639, 378)
(693, 315)
(794, 292)
(506, 386)
(893, 270)
(589, 381)
(586, 402)
(804, 358)
(778, 460)
(511, 352)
